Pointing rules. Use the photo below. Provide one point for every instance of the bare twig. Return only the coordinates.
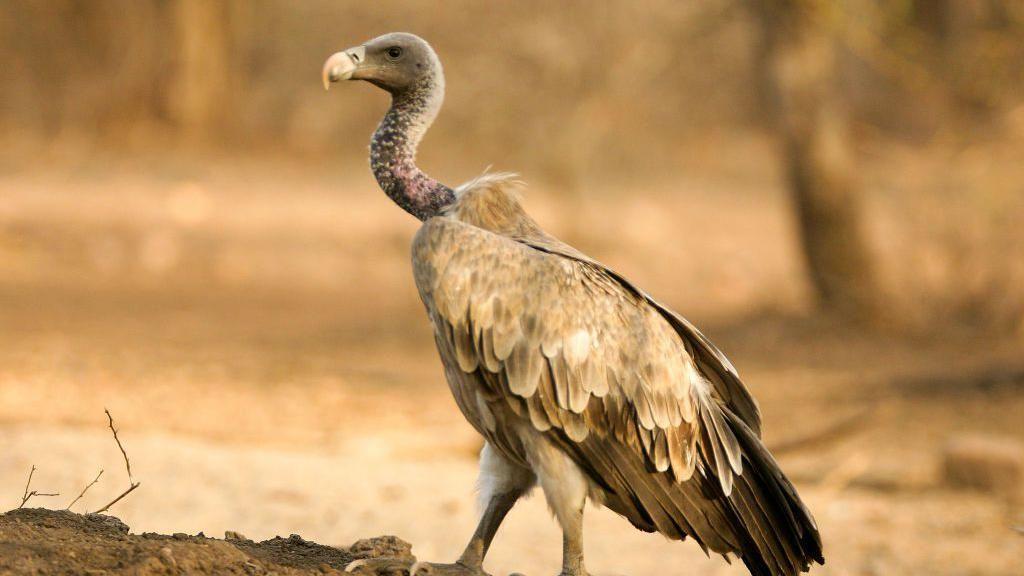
(118, 499)
(27, 495)
(28, 483)
(132, 484)
(34, 493)
(84, 490)
(127, 464)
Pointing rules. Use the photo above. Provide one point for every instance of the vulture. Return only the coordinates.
(579, 381)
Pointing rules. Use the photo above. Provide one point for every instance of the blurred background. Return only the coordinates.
(190, 236)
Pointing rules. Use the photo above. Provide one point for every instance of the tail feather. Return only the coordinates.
(784, 535)
(761, 519)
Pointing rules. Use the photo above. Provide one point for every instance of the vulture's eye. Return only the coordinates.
(394, 53)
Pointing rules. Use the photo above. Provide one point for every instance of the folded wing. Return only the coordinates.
(614, 379)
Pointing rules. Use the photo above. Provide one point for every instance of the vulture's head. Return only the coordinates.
(397, 62)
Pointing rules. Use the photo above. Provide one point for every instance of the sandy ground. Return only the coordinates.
(271, 373)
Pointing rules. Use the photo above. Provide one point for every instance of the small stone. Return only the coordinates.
(235, 536)
(179, 536)
(381, 546)
(111, 522)
(986, 463)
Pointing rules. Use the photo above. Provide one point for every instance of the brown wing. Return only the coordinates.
(489, 202)
(601, 370)
(582, 354)
(711, 362)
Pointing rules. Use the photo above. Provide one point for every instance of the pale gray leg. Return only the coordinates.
(566, 489)
(572, 546)
(494, 514)
(501, 484)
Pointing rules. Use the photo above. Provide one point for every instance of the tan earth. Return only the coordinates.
(271, 372)
(44, 542)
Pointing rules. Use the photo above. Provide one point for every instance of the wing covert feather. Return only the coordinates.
(602, 361)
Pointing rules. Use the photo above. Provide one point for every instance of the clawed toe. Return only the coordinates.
(430, 569)
(401, 567)
(378, 567)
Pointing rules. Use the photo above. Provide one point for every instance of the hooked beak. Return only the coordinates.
(342, 65)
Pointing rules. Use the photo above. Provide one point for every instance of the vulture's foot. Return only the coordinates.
(383, 566)
(456, 569)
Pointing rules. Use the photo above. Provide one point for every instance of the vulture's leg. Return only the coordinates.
(566, 489)
(501, 484)
(572, 546)
(494, 513)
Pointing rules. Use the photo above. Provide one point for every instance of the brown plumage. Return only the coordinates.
(531, 329)
(568, 370)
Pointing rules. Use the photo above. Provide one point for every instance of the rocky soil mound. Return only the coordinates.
(57, 542)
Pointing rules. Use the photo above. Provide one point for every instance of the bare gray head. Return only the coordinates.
(396, 62)
(406, 67)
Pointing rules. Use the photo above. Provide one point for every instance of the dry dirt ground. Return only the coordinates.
(271, 373)
(51, 542)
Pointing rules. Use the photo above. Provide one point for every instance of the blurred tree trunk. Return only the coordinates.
(798, 68)
(201, 75)
(934, 18)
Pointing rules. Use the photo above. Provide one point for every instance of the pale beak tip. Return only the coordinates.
(329, 76)
(339, 66)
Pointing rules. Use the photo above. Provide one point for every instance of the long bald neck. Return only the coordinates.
(394, 144)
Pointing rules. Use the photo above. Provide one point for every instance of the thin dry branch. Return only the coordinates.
(118, 499)
(132, 484)
(84, 490)
(127, 463)
(28, 483)
(28, 495)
